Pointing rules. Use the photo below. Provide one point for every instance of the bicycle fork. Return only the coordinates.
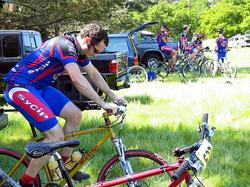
(125, 164)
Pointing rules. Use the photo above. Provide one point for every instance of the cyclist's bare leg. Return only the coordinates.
(193, 55)
(72, 115)
(170, 62)
(216, 62)
(174, 56)
(54, 134)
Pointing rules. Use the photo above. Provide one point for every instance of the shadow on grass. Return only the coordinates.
(142, 99)
(177, 77)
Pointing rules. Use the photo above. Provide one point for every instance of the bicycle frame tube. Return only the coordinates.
(104, 138)
(144, 174)
(12, 171)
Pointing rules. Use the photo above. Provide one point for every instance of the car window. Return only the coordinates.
(27, 42)
(33, 43)
(10, 46)
(117, 44)
(38, 39)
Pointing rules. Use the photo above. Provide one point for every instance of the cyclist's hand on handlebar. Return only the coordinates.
(110, 108)
(119, 101)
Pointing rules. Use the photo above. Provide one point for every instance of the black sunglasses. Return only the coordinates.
(95, 50)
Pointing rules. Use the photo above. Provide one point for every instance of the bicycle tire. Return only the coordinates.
(207, 68)
(137, 74)
(8, 158)
(140, 160)
(191, 71)
(231, 71)
(162, 71)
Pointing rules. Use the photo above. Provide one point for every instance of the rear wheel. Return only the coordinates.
(137, 74)
(8, 158)
(230, 70)
(140, 160)
(191, 71)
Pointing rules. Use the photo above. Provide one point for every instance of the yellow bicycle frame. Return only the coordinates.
(109, 134)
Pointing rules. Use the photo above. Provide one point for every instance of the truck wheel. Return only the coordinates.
(151, 60)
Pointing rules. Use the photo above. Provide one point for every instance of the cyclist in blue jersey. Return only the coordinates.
(29, 90)
(162, 33)
(183, 39)
(220, 50)
(162, 39)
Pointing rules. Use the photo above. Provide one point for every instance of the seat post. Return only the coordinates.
(33, 130)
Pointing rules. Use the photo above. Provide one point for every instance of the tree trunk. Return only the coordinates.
(57, 30)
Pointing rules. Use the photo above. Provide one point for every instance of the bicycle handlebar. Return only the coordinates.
(189, 163)
(204, 126)
(121, 109)
(184, 167)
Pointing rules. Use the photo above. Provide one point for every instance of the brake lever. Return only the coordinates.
(121, 102)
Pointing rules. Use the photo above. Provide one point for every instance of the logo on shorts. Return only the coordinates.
(32, 105)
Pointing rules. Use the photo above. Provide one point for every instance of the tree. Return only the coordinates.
(225, 15)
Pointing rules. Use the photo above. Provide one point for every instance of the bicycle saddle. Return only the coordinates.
(39, 149)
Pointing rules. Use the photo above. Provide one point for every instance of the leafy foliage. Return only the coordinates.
(123, 15)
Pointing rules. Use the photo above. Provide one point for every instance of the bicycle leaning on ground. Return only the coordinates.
(184, 170)
(15, 163)
(189, 69)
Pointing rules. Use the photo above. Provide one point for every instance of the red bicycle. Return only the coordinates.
(185, 169)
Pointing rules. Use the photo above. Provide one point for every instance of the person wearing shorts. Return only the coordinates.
(168, 51)
(29, 90)
(220, 50)
(183, 39)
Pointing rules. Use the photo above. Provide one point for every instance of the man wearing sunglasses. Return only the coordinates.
(29, 90)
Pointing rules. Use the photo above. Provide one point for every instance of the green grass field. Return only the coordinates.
(163, 116)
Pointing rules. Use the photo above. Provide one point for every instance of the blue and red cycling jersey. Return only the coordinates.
(43, 66)
(28, 83)
(190, 48)
(159, 36)
(221, 43)
(183, 40)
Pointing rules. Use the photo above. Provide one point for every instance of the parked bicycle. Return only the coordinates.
(184, 170)
(137, 74)
(189, 70)
(203, 60)
(226, 68)
(15, 163)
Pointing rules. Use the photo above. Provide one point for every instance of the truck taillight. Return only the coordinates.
(113, 66)
(136, 62)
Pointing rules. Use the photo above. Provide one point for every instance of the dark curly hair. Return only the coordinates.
(95, 32)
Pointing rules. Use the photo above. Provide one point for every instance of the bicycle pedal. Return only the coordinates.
(79, 176)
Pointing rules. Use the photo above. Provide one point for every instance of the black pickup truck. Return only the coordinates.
(16, 44)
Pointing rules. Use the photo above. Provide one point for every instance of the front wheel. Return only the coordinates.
(208, 68)
(139, 160)
(191, 71)
(137, 74)
(8, 158)
(162, 71)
